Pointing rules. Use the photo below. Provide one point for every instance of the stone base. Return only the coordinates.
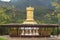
(30, 22)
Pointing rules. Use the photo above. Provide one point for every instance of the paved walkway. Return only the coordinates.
(32, 38)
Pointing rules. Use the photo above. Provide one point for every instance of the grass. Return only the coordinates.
(2, 39)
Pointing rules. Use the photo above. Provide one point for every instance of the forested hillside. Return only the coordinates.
(14, 11)
(13, 15)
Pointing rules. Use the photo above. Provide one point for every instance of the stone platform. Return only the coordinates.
(31, 38)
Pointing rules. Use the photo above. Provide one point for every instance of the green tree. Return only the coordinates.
(56, 5)
(57, 9)
(3, 17)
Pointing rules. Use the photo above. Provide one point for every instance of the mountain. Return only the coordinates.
(22, 4)
(43, 10)
(5, 3)
(34, 3)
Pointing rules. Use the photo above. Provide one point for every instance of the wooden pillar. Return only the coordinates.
(57, 31)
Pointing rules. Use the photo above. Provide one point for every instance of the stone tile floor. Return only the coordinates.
(31, 38)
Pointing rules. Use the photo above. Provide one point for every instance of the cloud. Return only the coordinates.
(6, 0)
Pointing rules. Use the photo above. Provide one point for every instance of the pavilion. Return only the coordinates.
(30, 28)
